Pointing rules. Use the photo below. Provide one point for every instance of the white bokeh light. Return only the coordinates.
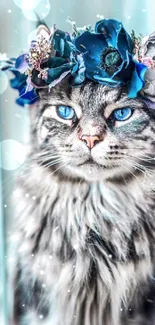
(13, 154)
(3, 82)
(41, 10)
(26, 4)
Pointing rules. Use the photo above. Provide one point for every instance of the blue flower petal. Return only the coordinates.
(94, 44)
(106, 81)
(61, 43)
(21, 64)
(80, 68)
(53, 62)
(19, 81)
(27, 98)
(124, 43)
(137, 80)
(93, 67)
(55, 73)
(61, 46)
(110, 28)
(116, 36)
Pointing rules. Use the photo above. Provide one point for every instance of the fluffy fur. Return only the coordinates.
(86, 219)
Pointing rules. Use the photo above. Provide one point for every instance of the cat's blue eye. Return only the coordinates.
(65, 112)
(122, 114)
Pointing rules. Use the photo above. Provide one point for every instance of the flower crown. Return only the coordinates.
(106, 54)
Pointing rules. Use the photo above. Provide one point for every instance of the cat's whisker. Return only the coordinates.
(140, 167)
(121, 175)
(46, 154)
(144, 155)
(47, 158)
(130, 172)
(62, 166)
(45, 166)
(50, 164)
(136, 166)
(143, 159)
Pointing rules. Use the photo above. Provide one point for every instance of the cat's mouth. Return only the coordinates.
(88, 161)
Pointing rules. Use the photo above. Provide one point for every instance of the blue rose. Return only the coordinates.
(107, 54)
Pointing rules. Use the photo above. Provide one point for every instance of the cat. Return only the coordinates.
(86, 210)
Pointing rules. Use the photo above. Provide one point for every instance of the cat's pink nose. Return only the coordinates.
(91, 140)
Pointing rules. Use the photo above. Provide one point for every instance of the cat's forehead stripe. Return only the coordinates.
(100, 93)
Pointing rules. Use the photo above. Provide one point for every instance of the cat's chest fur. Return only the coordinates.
(81, 242)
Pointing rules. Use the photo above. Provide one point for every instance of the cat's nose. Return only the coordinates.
(91, 140)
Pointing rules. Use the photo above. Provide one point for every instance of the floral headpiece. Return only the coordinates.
(106, 54)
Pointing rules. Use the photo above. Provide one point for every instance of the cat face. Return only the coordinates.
(94, 133)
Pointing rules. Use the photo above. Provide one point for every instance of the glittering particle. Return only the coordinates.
(69, 290)
(129, 17)
(110, 256)
(6, 100)
(121, 309)
(5, 205)
(41, 316)
(9, 11)
(23, 305)
(100, 16)
(32, 255)
(43, 285)
(42, 272)
(33, 197)
(27, 194)
(50, 257)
